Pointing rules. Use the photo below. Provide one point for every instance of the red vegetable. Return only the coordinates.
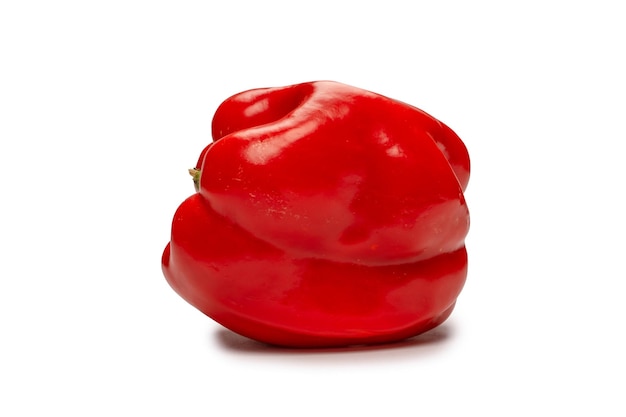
(325, 215)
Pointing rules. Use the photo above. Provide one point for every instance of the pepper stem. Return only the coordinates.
(195, 173)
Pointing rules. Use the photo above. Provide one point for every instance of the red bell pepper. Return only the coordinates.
(326, 215)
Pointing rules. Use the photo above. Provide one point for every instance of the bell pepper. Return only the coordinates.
(325, 215)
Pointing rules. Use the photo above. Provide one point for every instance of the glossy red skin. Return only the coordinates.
(326, 216)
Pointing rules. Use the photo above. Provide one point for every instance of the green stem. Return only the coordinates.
(195, 173)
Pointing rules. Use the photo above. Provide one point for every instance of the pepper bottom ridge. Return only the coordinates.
(261, 292)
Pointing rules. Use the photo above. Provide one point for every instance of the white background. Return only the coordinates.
(105, 104)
